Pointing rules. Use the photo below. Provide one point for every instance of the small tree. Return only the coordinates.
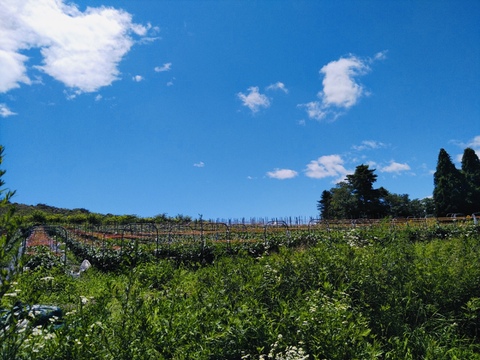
(324, 205)
(8, 228)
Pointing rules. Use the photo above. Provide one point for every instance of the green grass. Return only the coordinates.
(360, 294)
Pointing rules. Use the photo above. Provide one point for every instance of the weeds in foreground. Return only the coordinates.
(363, 295)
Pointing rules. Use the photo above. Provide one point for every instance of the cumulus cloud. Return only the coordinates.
(5, 111)
(282, 174)
(339, 86)
(341, 89)
(200, 164)
(163, 68)
(395, 167)
(254, 100)
(278, 86)
(80, 49)
(137, 78)
(327, 166)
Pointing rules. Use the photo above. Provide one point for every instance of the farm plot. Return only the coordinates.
(45, 246)
(364, 292)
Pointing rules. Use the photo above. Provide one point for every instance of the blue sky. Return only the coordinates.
(231, 109)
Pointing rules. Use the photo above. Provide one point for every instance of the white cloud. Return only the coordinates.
(327, 166)
(382, 55)
(137, 78)
(340, 87)
(278, 86)
(282, 174)
(474, 143)
(200, 164)
(315, 110)
(369, 144)
(395, 167)
(164, 67)
(12, 69)
(254, 100)
(5, 111)
(80, 49)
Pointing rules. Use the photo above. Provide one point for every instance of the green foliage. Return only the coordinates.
(8, 228)
(44, 258)
(367, 199)
(324, 205)
(364, 293)
(356, 198)
(449, 190)
(471, 172)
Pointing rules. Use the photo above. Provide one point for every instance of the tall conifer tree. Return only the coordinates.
(448, 192)
(367, 198)
(471, 173)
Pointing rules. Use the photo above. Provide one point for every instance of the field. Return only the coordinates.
(206, 291)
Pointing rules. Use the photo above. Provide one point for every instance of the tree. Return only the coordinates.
(324, 205)
(342, 205)
(449, 186)
(8, 228)
(471, 173)
(367, 198)
(356, 198)
(398, 205)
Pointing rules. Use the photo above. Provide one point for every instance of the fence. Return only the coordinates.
(107, 244)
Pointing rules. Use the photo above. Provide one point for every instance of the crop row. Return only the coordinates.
(110, 247)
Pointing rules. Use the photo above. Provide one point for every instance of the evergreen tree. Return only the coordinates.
(471, 173)
(449, 186)
(357, 198)
(324, 204)
(343, 205)
(367, 198)
(398, 205)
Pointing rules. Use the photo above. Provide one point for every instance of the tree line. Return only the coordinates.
(455, 191)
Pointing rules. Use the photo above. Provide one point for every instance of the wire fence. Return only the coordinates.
(105, 244)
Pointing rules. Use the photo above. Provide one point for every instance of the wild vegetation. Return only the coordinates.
(336, 290)
(374, 292)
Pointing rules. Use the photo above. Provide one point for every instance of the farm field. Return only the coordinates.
(410, 291)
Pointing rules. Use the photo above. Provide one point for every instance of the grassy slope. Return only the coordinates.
(358, 295)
